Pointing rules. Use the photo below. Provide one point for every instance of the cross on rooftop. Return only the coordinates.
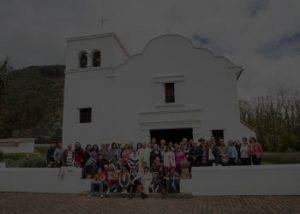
(102, 21)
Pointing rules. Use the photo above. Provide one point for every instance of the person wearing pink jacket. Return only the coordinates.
(179, 157)
(255, 151)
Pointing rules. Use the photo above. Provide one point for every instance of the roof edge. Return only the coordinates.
(96, 36)
(247, 125)
(90, 36)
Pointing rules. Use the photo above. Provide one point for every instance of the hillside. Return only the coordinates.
(33, 102)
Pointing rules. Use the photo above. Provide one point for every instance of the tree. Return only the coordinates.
(276, 120)
(4, 76)
(32, 104)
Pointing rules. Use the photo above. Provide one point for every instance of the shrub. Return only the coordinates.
(34, 162)
(282, 158)
(15, 156)
(29, 162)
(16, 160)
(42, 150)
(289, 141)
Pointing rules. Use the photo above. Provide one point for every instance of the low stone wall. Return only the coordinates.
(244, 180)
(235, 180)
(43, 180)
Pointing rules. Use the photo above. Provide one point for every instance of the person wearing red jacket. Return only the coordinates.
(99, 179)
(255, 151)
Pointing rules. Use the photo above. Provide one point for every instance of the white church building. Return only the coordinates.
(171, 90)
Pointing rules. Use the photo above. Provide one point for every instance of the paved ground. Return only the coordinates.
(34, 203)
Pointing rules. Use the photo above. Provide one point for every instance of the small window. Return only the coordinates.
(96, 58)
(83, 59)
(85, 115)
(169, 93)
(218, 134)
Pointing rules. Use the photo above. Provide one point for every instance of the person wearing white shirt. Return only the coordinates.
(169, 158)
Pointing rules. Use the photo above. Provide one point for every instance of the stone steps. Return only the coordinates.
(184, 195)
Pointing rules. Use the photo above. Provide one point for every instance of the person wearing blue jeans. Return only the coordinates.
(99, 183)
(232, 153)
(172, 180)
(98, 179)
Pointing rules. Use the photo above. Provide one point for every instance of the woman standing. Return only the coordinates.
(155, 153)
(78, 157)
(232, 153)
(125, 155)
(223, 151)
(255, 151)
(245, 152)
(115, 153)
(147, 152)
(211, 157)
(169, 158)
(141, 155)
(179, 157)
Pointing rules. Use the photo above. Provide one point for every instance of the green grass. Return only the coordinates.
(281, 157)
(27, 160)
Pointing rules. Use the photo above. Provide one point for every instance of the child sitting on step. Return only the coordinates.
(172, 179)
(124, 180)
(98, 180)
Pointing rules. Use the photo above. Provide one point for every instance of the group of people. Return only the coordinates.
(151, 167)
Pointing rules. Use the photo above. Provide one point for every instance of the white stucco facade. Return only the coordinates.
(127, 97)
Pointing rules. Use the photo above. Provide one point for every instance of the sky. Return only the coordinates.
(262, 36)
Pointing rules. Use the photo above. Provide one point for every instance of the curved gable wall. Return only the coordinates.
(174, 42)
(208, 83)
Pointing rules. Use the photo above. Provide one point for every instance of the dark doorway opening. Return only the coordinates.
(173, 135)
(218, 134)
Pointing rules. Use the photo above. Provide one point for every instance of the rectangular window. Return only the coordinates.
(170, 92)
(85, 115)
(218, 134)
